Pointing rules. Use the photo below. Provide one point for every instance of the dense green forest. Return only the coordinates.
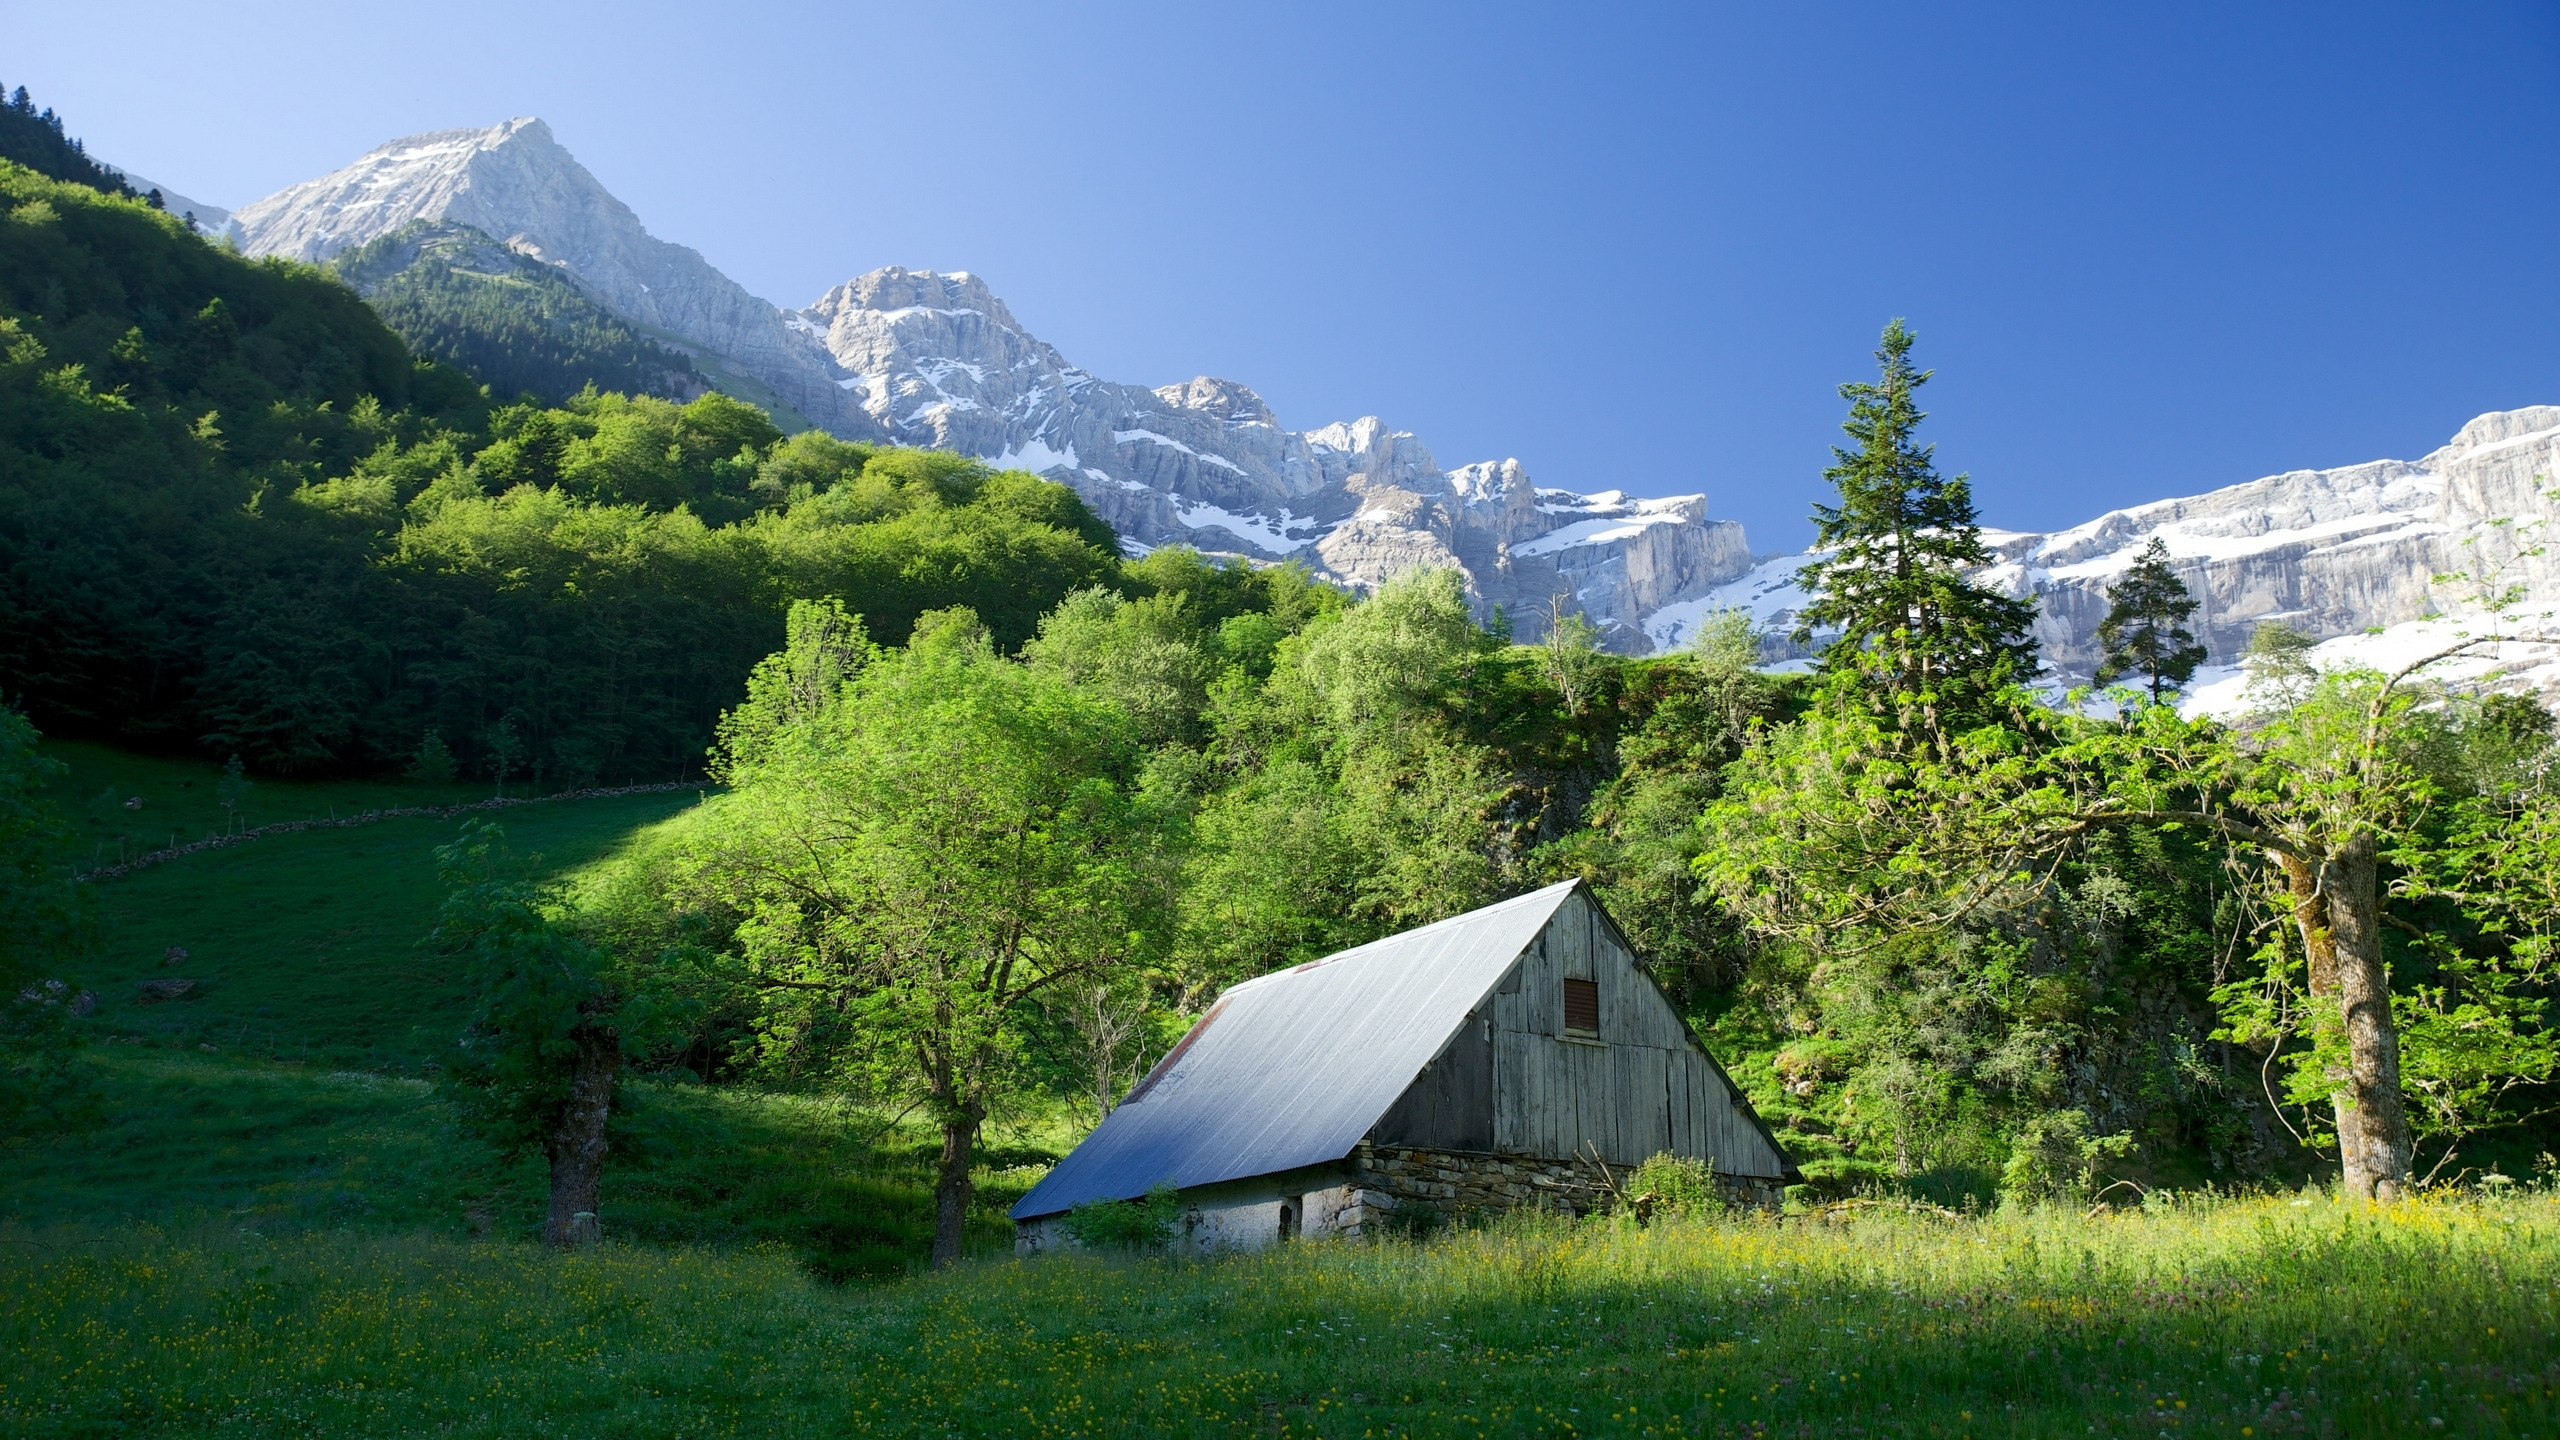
(1957, 939)
(37, 140)
(516, 325)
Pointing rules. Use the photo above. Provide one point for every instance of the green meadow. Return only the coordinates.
(271, 1223)
(2268, 1316)
(289, 1088)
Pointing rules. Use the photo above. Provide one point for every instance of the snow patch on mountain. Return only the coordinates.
(2364, 558)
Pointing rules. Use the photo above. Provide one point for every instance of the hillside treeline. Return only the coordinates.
(516, 325)
(238, 516)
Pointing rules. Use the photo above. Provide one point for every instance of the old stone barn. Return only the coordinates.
(1498, 1059)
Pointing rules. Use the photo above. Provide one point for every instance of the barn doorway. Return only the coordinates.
(1289, 1218)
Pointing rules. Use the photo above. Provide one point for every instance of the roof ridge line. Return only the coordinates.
(1353, 952)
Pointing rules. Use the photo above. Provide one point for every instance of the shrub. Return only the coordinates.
(1670, 1185)
(1146, 1223)
(2053, 1156)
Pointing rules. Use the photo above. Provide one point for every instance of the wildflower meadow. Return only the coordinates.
(2268, 1315)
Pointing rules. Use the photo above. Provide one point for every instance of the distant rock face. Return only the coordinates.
(515, 183)
(211, 220)
(920, 358)
(2334, 553)
(938, 360)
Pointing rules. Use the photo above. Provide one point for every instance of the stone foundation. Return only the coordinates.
(1376, 1186)
(1386, 1179)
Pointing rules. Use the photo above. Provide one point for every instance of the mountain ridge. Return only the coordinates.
(2398, 547)
(920, 357)
(938, 359)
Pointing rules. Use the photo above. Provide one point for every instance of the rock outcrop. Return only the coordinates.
(940, 361)
(516, 183)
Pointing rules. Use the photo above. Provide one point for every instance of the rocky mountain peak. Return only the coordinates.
(894, 288)
(418, 177)
(1224, 400)
(2499, 428)
(516, 182)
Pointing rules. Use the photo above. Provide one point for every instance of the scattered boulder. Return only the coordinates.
(175, 955)
(156, 990)
(56, 992)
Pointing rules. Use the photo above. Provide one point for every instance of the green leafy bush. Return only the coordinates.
(1146, 1223)
(1672, 1185)
(2052, 1158)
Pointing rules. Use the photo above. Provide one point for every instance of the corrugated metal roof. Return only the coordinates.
(1294, 1068)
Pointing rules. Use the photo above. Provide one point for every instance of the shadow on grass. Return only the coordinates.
(187, 1138)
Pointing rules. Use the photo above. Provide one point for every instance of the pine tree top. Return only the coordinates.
(2145, 630)
(1902, 539)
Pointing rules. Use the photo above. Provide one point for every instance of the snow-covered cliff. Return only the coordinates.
(2339, 554)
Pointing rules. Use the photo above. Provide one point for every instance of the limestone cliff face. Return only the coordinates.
(2335, 553)
(2331, 552)
(515, 182)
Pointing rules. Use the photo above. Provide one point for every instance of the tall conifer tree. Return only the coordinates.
(1901, 539)
(2145, 630)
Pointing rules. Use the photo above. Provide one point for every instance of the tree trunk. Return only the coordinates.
(2320, 950)
(577, 1143)
(951, 1185)
(2379, 1170)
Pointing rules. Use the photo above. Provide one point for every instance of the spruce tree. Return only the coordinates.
(1901, 541)
(2145, 630)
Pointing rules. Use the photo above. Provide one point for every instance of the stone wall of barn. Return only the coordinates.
(1390, 1179)
(1384, 1189)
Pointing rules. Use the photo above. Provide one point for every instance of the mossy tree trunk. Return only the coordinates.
(577, 1143)
(951, 1187)
(2376, 1153)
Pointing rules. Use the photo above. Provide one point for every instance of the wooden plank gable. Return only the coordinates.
(1642, 1086)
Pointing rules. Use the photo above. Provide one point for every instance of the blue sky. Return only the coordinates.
(2150, 250)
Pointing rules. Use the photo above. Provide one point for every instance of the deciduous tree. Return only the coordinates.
(918, 844)
(554, 1016)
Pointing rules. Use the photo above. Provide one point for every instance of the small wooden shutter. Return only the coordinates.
(1582, 1006)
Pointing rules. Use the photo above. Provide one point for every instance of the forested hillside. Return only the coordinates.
(516, 325)
(237, 515)
(36, 139)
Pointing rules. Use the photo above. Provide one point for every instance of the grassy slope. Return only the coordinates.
(284, 1090)
(2228, 1318)
(305, 945)
(323, 1277)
